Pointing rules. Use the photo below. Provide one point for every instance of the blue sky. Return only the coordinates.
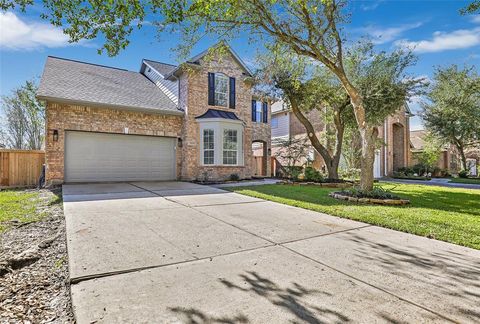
(441, 36)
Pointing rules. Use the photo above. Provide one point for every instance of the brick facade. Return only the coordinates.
(62, 117)
(193, 98)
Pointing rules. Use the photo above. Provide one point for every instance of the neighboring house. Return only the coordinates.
(195, 121)
(394, 133)
(447, 158)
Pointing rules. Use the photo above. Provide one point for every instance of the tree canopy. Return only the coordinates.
(453, 110)
(24, 118)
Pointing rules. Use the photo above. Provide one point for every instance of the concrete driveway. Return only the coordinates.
(175, 252)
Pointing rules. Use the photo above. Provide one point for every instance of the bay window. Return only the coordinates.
(230, 147)
(221, 143)
(208, 146)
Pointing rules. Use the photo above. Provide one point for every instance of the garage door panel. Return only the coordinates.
(116, 157)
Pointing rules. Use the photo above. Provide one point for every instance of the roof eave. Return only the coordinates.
(111, 106)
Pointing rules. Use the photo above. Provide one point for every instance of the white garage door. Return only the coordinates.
(115, 157)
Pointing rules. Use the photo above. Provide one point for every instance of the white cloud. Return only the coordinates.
(385, 35)
(442, 41)
(16, 34)
(476, 19)
(371, 5)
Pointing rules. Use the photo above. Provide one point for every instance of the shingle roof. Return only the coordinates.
(417, 139)
(162, 68)
(81, 82)
(214, 113)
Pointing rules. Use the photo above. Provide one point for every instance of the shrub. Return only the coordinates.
(463, 174)
(350, 173)
(375, 193)
(293, 172)
(313, 175)
(234, 177)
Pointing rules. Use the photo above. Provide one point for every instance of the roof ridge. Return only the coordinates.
(82, 62)
(145, 59)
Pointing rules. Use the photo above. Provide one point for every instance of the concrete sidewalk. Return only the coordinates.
(441, 182)
(181, 252)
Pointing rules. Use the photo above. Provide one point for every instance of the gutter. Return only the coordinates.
(111, 106)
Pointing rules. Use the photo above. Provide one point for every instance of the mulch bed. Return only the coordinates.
(34, 268)
(377, 201)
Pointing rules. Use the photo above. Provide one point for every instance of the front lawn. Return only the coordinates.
(447, 214)
(466, 180)
(17, 205)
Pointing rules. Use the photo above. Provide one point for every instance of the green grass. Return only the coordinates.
(466, 180)
(17, 204)
(447, 214)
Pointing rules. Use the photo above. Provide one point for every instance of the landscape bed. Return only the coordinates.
(447, 214)
(33, 258)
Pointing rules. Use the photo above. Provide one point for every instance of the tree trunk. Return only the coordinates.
(463, 157)
(368, 136)
(330, 162)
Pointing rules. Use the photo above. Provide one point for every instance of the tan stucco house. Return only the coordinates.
(394, 151)
(195, 121)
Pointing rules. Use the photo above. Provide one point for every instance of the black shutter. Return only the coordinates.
(265, 112)
(232, 93)
(254, 108)
(211, 89)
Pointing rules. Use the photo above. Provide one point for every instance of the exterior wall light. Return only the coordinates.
(55, 135)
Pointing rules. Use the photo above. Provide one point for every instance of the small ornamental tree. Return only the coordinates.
(430, 153)
(292, 152)
(452, 113)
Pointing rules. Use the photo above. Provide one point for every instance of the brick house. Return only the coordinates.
(448, 158)
(195, 121)
(394, 135)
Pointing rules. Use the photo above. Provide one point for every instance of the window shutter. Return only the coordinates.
(211, 89)
(232, 93)
(265, 112)
(254, 112)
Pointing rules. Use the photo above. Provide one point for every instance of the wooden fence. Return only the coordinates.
(20, 168)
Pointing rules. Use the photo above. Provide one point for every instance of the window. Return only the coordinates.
(208, 146)
(221, 90)
(230, 146)
(274, 122)
(259, 112)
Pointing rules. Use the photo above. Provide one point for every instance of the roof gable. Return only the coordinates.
(195, 60)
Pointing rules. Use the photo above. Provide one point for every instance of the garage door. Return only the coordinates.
(116, 157)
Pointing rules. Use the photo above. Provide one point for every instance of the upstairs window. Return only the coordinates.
(274, 122)
(221, 90)
(259, 111)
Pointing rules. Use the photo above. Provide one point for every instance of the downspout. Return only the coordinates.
(385, 148)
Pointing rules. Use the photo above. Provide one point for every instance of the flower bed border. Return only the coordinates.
(320, 184)
(396, 202)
